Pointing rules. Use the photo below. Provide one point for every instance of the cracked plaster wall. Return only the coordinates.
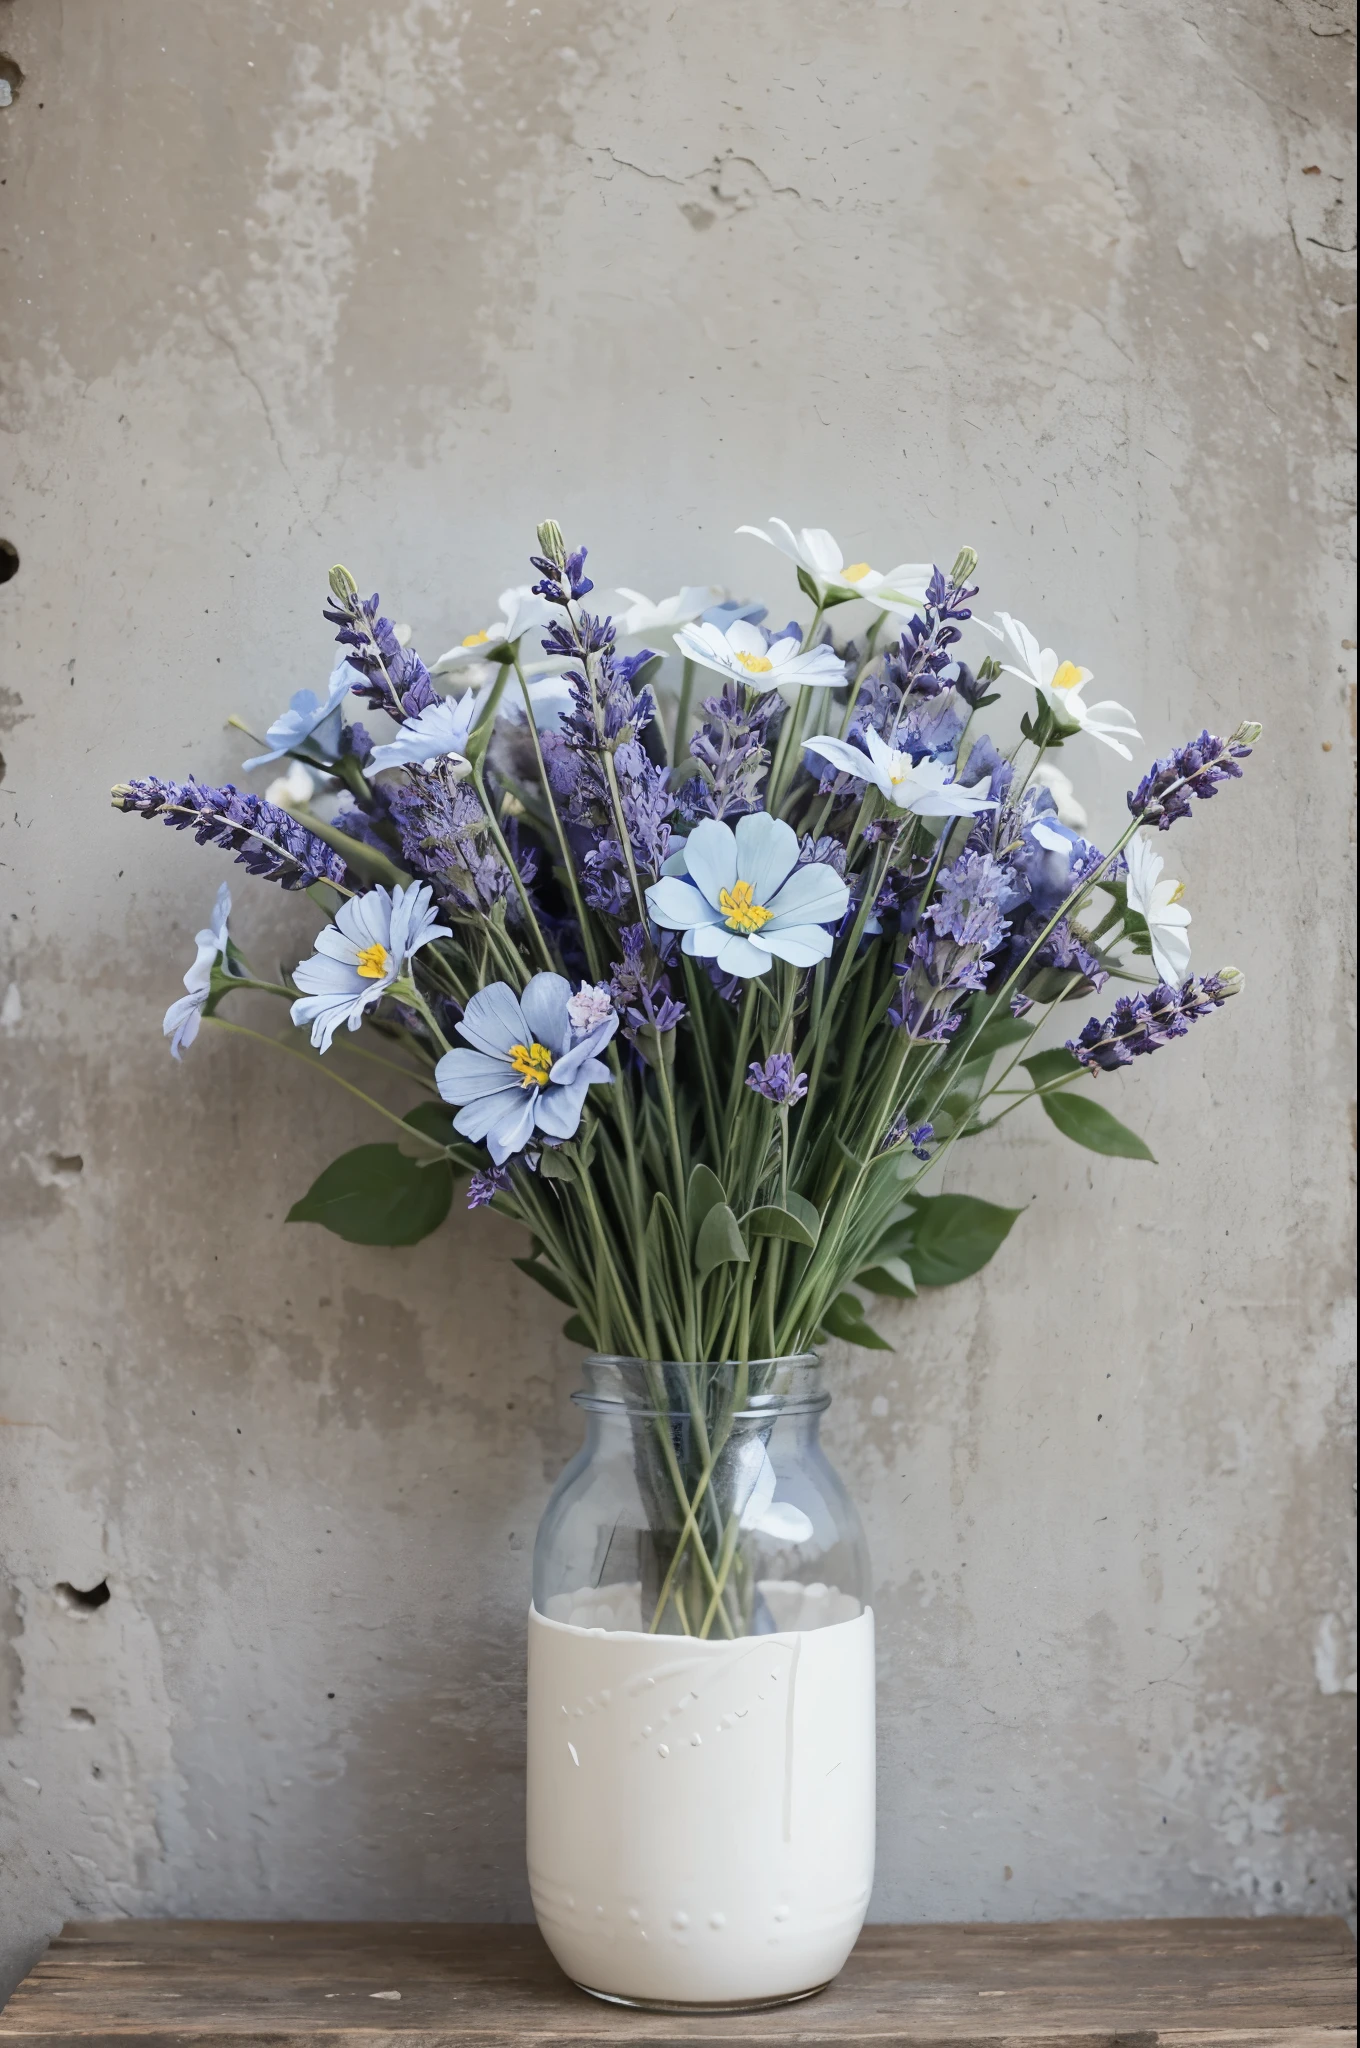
(313, 280)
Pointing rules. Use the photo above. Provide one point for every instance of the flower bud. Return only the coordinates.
(1231, 981)
(1247, 733)
(344, 589)
(551, 542)
(964, 564)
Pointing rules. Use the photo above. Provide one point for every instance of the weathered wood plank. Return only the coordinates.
(1129, 1984)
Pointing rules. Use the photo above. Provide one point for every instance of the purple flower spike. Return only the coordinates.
(264, 838)
(1140, 1024)
(484, 1187)
(1195, 769)
(776, 1080)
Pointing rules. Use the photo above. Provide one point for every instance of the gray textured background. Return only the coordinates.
(293, 282)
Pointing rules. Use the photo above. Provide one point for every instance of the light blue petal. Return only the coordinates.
(711, 858)
(704, 941)
(514, 1130)
(544, 1003)
(573, 1063)
(327, 1012)
(181, 1022)
(811, 895)
(803, 945)
(674, 863)
(476, 1120)
(466, 1076)
(736, 955)
(679, 906)
(558, 1110)
(494, 1021)
(323, 975)
(366, 920)
(767, 850)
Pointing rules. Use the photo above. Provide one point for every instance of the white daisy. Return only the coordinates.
(901, 590)
(1060, 684)
(743, 652)
(642, 616)
(926, 787)
(521, 611)
(1159, 904)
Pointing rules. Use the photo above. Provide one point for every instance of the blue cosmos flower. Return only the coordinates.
(181, 1019)
(309, 719)
(524, 1068)
(747, 901)
(441, 728)
(361, 956)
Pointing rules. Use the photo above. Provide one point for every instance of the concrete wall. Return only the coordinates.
(315, 280)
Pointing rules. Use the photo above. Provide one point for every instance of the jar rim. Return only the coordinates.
(801, 1391)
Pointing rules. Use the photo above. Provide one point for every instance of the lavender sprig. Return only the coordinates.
(1195, 769)
(264, 838)
(1140, 1024)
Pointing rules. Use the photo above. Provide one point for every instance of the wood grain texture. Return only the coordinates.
(1220, 1983)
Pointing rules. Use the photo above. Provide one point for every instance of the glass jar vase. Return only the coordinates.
(701, 1691)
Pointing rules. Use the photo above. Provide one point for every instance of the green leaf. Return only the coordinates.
(719, 1242)
(376, 1195)
(1090, 1124)
(705, 1191)
(577, 1331)
(808, 586)
(954, 1236)
(553, 1166)
(1043, 1067)
(797, 1219)
(433, 1120)
(891, 1276)
(549, 1279)
(994, 1035)
(845, 1319)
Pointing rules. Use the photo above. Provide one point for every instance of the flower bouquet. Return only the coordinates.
(696, 960)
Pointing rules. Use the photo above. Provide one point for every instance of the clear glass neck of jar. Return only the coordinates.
(701, 1503)
(743, 1391)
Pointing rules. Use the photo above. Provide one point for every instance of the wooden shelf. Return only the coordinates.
(1127, 1984)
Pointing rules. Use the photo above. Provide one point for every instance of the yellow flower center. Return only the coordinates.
(1068, 676)
(756, 664)
(740, 914)
(856, 573)
(373, 963)
(476, 640)
(533, 1063)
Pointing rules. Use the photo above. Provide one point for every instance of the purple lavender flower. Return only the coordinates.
(899, 1132)
(264, 838)
(733, 751)
(1140, 1024)
(391, 678)
(948, 955)
(776, 1080)
(1195, 769)
(640, 984)
(486, 1184)
(443, 833)
(562, 581)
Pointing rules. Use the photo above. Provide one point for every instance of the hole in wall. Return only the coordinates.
(9, 560)
(85, 1601)
(11, 78)
(80, 1717)
(65, 1165)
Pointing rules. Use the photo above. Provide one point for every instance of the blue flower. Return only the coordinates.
(361, 956)
(441, 728)
(524, 1069)
(747, 900)
(181, 1019)
(307, 718)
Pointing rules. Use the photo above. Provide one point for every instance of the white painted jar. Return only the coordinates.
(701, 1805)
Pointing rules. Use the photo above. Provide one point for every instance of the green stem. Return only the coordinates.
(411, 1130)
